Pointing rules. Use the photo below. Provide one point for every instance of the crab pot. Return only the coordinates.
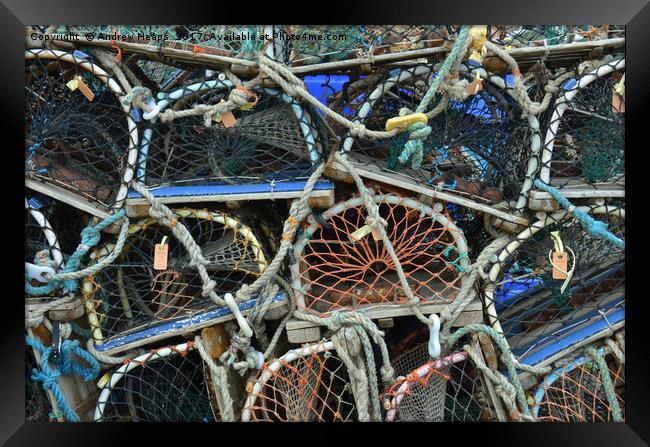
(52, 231)
(308, 384)
(132, 293)
(341, 264)
(478, 147)
(168, 384)
(276, 139)
(537, 291)
(79, 137)
(575, 392)
(353, 41)
(584, 146)
(446, 389)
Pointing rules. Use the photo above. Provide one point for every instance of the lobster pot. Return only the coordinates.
(308, 384)
(538, 291)
(576, 391)
(275, 140)
(584, 145)
(478, 148)
(52, 232)
(37, 405)
(447, 389)
(342, 264)
(169, 384)
(133, 293)
(540, 35)
(353, 41)
(78, 135)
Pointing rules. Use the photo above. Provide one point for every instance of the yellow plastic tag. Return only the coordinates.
(104, 380)
(401, 123)
(73, 85)
(360, 233)
(248, 106)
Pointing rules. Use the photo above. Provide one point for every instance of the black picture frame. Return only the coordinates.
(16, 14)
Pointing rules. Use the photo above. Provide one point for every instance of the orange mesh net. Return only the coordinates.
(445, 389)
(576, 392)
(343, 264)
(309, 384)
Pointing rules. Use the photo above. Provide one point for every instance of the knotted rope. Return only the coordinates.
(467, 292)
(219, 379)
(594, 227)
(89, 238)
(418, 132)
(67, 366)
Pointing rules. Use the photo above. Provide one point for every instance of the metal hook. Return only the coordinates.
(41, 274)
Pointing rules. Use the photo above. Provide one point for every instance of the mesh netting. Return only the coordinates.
(309, 384)
(477, 147)
(343, 265)
(585, 140)
(576, 392)
(277, 139)
(52, 232)
(164, 385)
(73, 141)
(448, 389)
(130, 294)
(539, 35)
(304, 45)
(534, 300)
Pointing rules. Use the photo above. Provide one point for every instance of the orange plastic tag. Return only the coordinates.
(618, 102)
(228, 119)
(474, 87)
(160, 255)
(560, 264)
(83, 88)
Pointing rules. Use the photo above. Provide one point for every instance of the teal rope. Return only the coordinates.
(49, 377)
(594, 227)
(607, 382)
(420, 131)
(89, 238)
(507, 357)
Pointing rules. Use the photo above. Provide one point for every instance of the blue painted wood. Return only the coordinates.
(567, 338)
(186, 323)
(220, 189)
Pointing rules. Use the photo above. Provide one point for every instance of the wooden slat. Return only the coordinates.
(473, 313)
(137, 338)
(63, 195)
(373, 172)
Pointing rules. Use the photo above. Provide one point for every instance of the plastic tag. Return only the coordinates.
(104, 380)
(560, 263)
(475, 86)
(402, 123)
(83, 88)
(161, 253)
(72, 85)
(228, 119)
(360, 233)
